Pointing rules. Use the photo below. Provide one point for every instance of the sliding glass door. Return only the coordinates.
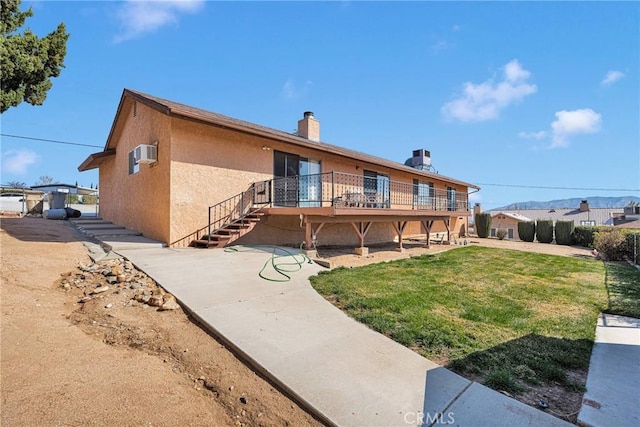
(377, 189)
(297, 180)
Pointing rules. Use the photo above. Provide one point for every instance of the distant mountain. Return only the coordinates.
(594, 202)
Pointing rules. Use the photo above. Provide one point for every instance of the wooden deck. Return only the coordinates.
(314, 218)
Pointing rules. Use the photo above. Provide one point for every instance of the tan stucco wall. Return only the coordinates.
(209, 165)
(503, 221)
(139, 201)
(200, 165)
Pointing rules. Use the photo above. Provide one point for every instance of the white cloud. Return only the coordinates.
(18, 161)
(485, 101)
(612, 77)
(138, 17)
(438, 46)
(291, 91)
(456, 27)
(574, 122)
(533, 135)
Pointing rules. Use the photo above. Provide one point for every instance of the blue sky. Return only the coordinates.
(525, 93)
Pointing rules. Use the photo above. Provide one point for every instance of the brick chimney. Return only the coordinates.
(309, 127)
(584, 206)
(477, 208)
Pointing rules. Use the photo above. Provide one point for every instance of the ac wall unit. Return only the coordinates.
(146, 154)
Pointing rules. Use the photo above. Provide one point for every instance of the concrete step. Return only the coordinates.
(100, 226)
(113, 232)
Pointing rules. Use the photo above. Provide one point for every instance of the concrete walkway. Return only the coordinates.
(613, 382)
(339, 369)
(343, 372)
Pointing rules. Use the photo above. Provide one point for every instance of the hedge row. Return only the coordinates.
(483, 224)
(567, 234)
(633, 246)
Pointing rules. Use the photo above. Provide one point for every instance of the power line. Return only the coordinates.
(50, 140)
(559, 188)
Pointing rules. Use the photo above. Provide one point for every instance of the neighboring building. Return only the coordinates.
(581, 216)
(177, 173)
(66, 188)
(630, 218)
(507, 221)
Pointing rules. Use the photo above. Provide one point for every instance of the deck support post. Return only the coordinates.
(361, 229)
(447, 222)
(399, 228)
(310, 235)
(427, 228)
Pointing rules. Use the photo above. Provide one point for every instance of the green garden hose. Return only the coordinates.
(276, 261)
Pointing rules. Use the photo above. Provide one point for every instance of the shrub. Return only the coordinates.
(612, 245)
(583, 236)
(501, 233)
(527, 230)
(483, 224)
(564, 230)
(544, 230)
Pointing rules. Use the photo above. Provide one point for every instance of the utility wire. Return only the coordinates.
(485, 184)
(50, 140)
(559, 188)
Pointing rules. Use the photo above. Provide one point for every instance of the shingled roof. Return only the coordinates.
(187, 112)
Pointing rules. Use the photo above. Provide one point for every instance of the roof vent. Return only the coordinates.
(421, 160)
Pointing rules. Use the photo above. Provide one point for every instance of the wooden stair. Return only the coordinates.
(229, 233)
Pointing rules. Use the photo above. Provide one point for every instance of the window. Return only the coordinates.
(134, 167)
(591, 223)
(510, 233)
(451, 199)
(423, 194)
(493, 232)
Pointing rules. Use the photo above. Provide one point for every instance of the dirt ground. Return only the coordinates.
(112, 360)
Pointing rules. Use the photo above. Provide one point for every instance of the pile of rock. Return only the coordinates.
(117, 277)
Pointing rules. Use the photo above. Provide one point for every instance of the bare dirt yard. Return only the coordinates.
(116, 358)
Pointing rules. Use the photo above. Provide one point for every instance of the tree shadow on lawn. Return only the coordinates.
(537, 370)
(622, 282)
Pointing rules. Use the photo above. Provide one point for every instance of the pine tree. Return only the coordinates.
(27, 62)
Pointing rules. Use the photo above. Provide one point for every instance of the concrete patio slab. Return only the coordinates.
(613, 382)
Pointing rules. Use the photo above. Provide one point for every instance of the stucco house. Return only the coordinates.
(507, 221)
(187, 176)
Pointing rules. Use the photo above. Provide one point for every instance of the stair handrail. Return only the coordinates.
(264, 196)
(245, 203)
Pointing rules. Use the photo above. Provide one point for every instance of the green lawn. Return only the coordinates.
(623, 289)
(506, 318)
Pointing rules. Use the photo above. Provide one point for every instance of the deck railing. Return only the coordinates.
(341, 190)
(357, 191)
